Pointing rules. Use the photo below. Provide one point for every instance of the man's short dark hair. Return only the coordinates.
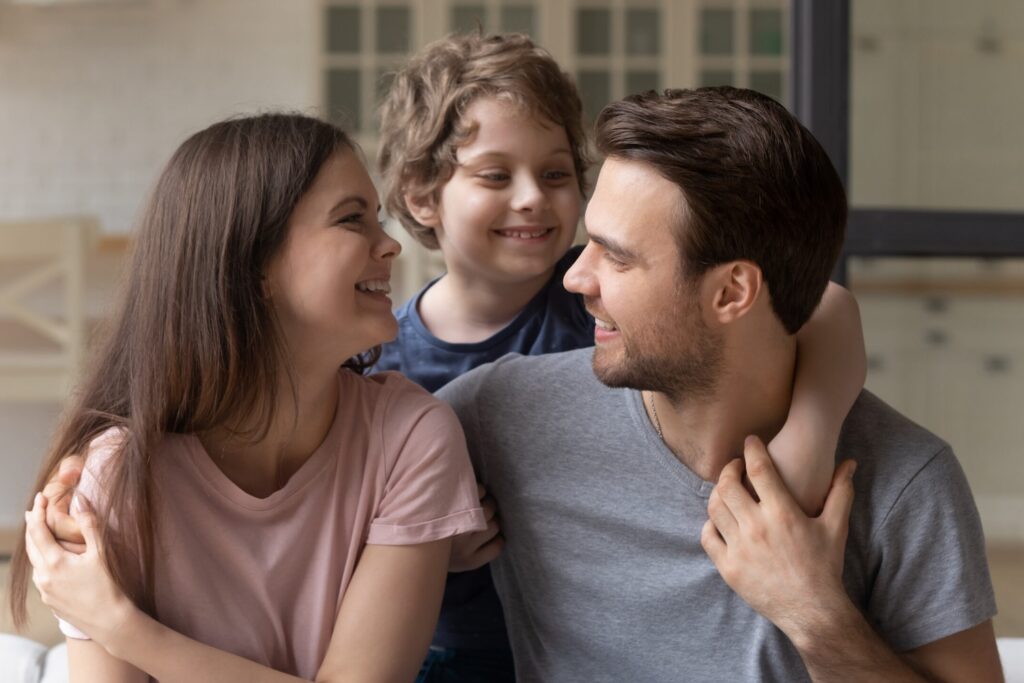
(758, 186)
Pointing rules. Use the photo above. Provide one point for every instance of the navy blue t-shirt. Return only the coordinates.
(554, 320)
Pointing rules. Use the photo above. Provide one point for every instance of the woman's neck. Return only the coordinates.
(465, 309)
(299, 423)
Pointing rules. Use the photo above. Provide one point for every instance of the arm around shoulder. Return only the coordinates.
(830, 373)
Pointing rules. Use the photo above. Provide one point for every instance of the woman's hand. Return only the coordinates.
(77, 587)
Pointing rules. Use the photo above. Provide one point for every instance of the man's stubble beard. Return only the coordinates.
(683, 360)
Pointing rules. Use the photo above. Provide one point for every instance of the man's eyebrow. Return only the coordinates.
(616, 248)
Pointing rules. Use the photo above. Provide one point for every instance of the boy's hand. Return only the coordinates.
(475, 549)
(783, 563)
(58, 492)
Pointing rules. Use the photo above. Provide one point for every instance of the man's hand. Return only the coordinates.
(475, 549)
(785, 565)
(58, 492)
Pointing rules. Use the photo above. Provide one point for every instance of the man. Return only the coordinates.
(714, 225)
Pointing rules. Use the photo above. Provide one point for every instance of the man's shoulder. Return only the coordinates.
(892, 453)
(875, 429)
(517, 377)
(515, 368)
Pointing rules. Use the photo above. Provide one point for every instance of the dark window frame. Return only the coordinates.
(820, 78)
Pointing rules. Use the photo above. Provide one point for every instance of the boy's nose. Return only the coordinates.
(528, 196)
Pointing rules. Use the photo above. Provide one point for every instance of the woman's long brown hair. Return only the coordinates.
(195, 343)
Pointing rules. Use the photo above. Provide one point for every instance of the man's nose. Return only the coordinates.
(579, 279)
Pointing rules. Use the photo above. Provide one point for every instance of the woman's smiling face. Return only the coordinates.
(330, 281)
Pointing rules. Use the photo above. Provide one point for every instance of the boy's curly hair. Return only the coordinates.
(421, 119)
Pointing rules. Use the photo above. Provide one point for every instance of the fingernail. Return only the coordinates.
(853, 468)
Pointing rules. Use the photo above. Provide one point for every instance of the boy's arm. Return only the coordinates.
(830, 371)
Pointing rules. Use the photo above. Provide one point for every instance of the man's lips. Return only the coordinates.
(604, 329)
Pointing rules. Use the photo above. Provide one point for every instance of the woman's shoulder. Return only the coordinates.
(389, 385)
(400, 404)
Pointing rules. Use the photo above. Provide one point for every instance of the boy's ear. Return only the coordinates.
(423, 208)
(734, 289)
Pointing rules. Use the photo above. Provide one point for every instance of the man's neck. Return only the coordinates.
(751, 397)
(465, 308)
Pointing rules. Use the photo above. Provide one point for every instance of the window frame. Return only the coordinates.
(820, 87)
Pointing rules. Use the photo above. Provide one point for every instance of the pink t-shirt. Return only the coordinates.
(264, 577)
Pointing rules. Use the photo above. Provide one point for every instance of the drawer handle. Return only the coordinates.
(997, 365)
(936, 337)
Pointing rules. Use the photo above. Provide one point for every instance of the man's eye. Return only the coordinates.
(616, 262)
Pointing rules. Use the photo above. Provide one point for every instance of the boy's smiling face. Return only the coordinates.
(509, 211)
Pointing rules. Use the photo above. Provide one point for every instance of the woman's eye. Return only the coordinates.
(352, 219)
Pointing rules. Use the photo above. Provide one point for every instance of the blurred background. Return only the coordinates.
(919, 102)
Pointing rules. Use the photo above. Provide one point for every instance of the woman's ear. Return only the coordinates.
(735, 288)
(423, 208)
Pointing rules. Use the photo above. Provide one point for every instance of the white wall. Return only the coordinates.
(94, 97)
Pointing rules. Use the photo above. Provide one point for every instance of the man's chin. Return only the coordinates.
(613, 372)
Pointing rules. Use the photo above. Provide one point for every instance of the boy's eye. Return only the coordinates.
(494, 176)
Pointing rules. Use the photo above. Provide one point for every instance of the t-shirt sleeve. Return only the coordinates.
(430, 492)
(933, 579)
(90, 489)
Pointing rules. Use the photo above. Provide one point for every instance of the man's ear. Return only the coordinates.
(734, 290)
(423, 208)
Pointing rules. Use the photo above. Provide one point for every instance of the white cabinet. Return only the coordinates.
(955, 364)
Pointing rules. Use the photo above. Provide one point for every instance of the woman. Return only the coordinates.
(261, 509)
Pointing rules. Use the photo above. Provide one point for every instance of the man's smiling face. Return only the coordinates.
(650, 331)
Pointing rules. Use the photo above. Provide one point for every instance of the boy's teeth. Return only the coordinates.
(605, 326)
(524, 234)
(374, 286)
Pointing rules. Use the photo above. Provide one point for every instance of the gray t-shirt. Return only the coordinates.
(603, 577)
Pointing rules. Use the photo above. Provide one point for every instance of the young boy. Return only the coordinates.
(483, 156)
